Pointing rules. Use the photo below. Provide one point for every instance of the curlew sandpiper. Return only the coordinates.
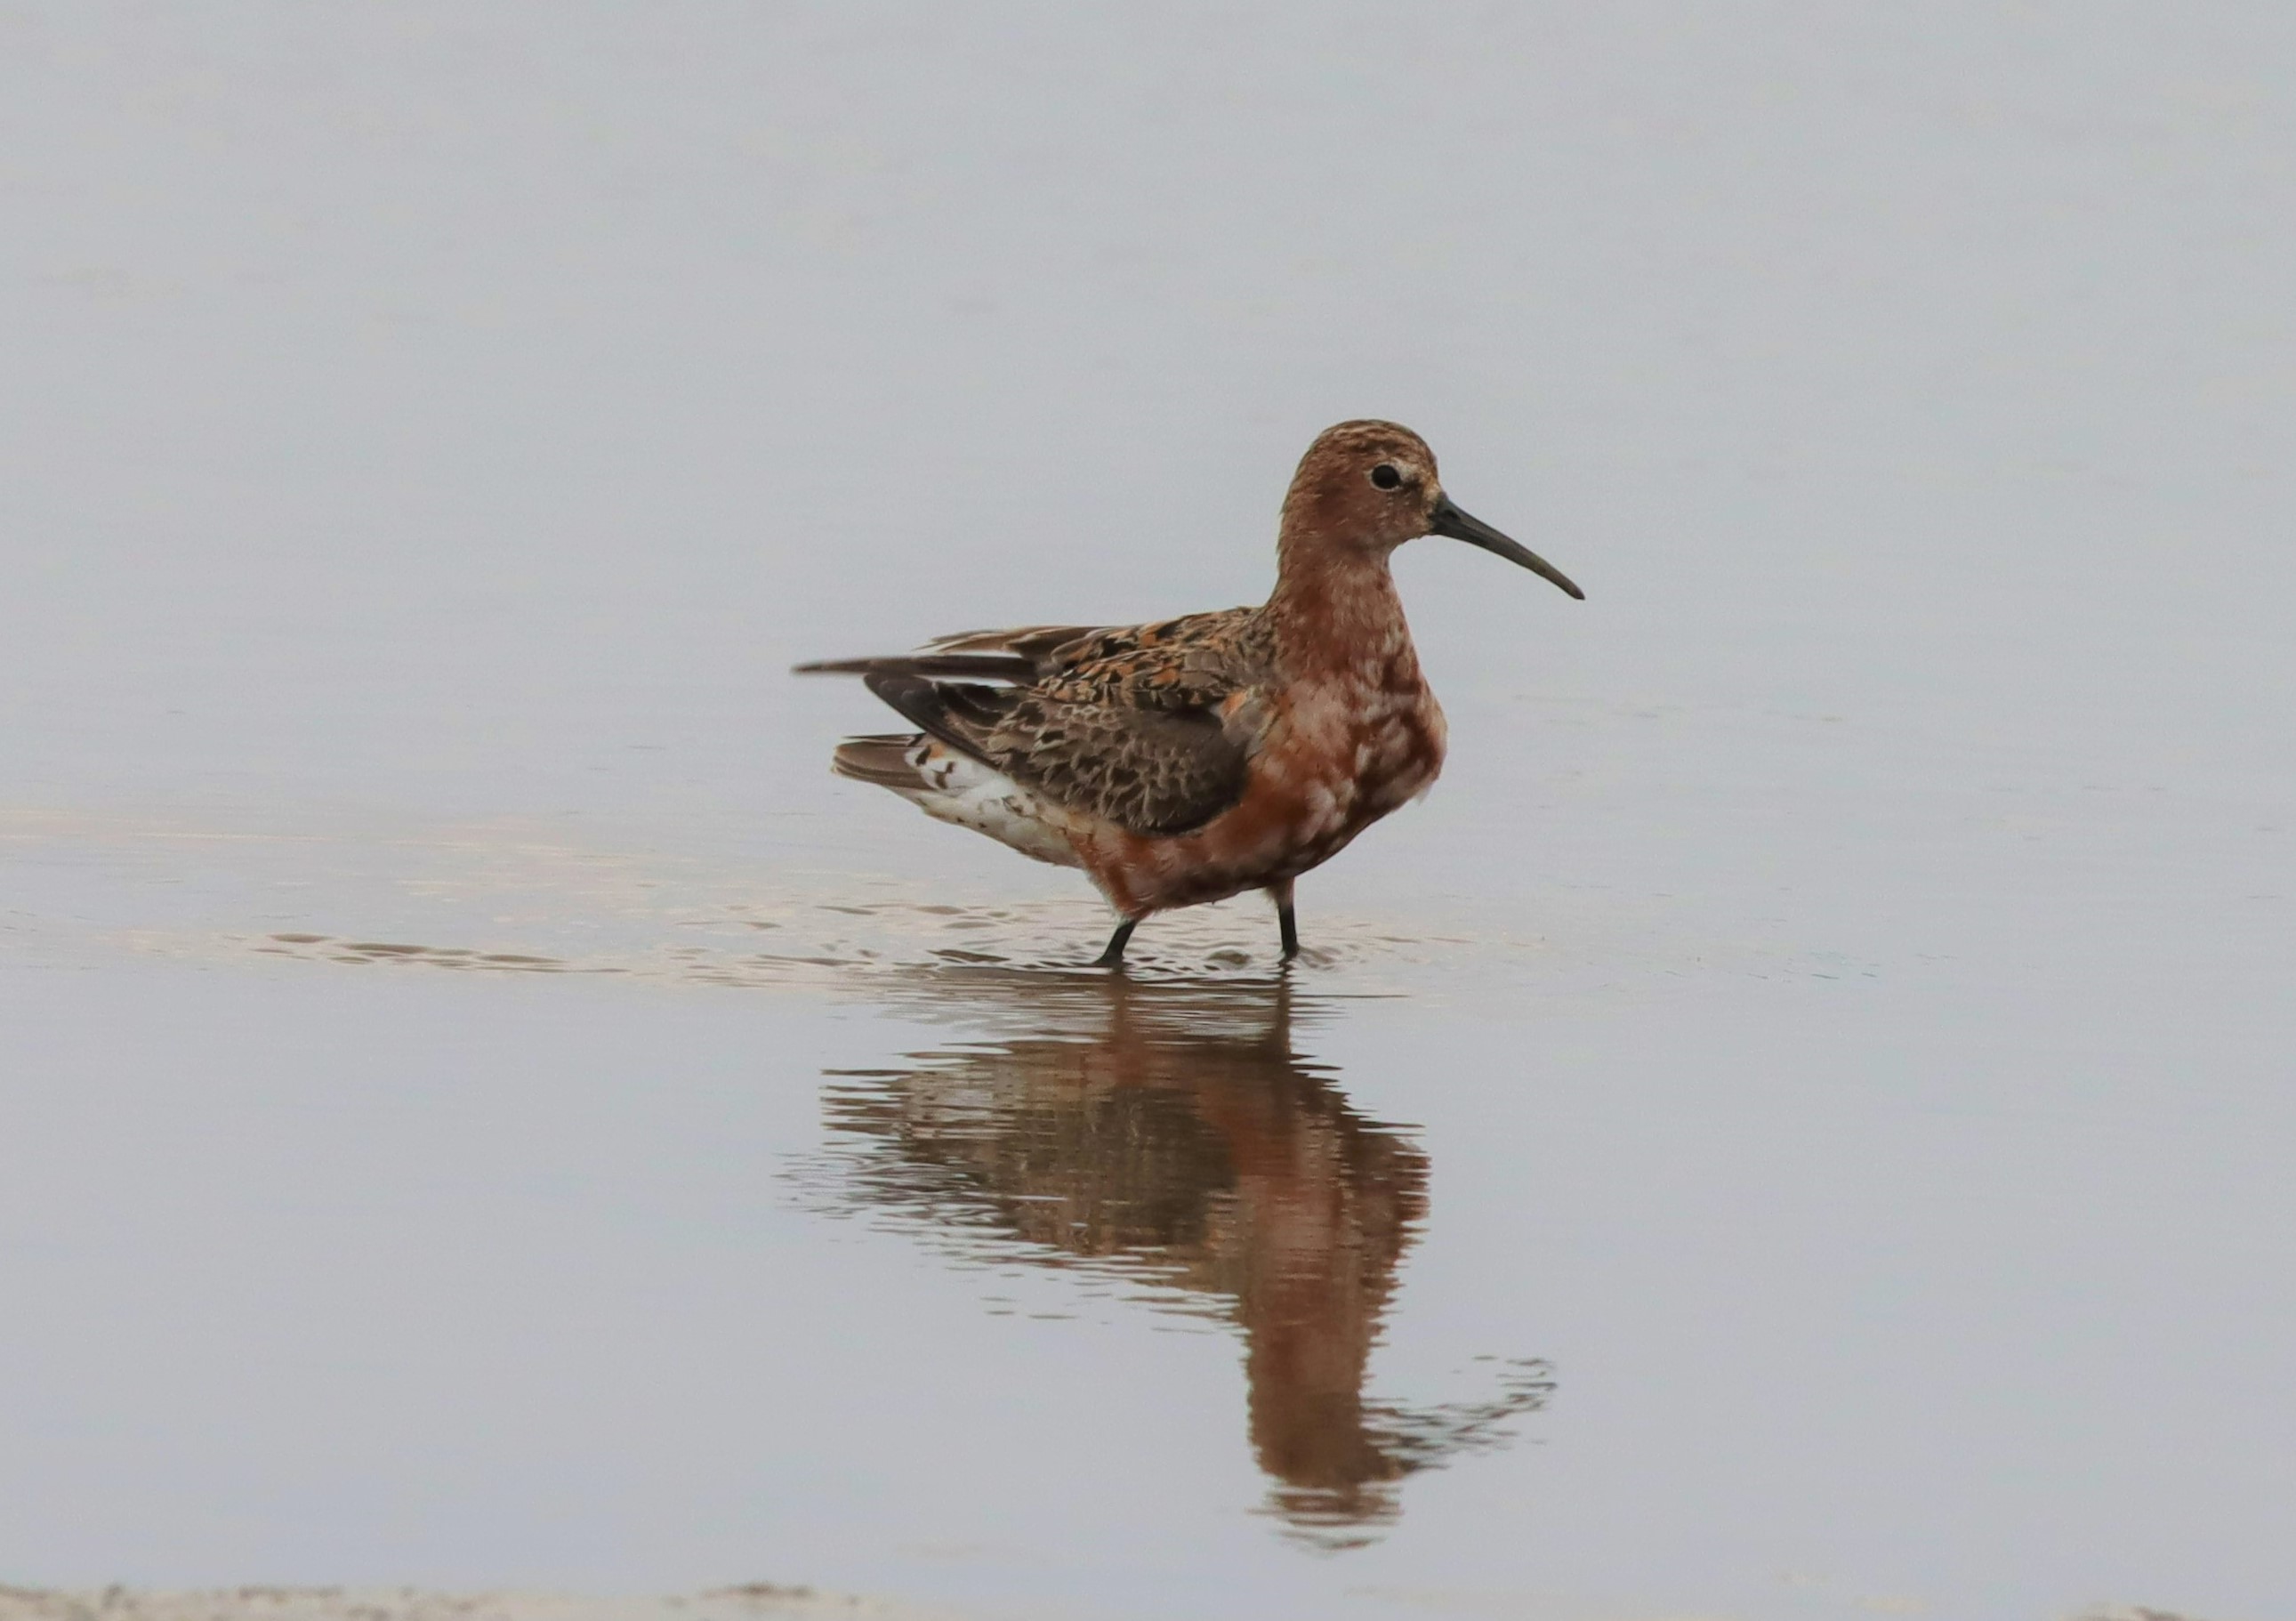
(1196, 757)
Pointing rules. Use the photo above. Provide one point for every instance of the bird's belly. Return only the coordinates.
(1397, 761)
(1311, 791)
(1390, 759)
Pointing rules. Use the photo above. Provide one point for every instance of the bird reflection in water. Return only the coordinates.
(1169, 1135)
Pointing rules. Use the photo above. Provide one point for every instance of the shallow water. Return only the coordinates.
(1794, 1126)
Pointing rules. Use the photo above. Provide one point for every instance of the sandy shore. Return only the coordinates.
(757, 1601)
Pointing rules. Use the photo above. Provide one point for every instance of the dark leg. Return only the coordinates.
(1287, 922)
(1113, 958)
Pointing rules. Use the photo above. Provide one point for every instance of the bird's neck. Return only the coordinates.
(1335, 613)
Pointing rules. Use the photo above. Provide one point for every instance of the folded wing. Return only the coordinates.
(1151, 727)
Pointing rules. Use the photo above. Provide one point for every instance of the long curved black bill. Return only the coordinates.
(1459, 525)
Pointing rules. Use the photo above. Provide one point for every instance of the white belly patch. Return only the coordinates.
(958, 789)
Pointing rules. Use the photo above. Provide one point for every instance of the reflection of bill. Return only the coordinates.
(1170, 1134)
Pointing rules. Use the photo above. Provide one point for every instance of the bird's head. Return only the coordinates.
(1370, 486)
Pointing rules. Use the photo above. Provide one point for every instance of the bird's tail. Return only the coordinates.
(952, 787)
(883, 760)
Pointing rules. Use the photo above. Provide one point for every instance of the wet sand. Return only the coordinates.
(764, 1600)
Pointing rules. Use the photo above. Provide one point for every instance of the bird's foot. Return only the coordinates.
(1113, 958)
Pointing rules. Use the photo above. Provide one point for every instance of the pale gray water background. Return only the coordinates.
(1836, 1006)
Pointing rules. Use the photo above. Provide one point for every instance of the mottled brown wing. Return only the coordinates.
(1150, 726)
(1173, 660)
(1150, 770)
(1192, 662)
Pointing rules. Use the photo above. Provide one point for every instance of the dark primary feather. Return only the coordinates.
(980, 655)
(1122, 723)
(978, 667)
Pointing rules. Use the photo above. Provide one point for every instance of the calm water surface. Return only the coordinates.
(1796, 1124)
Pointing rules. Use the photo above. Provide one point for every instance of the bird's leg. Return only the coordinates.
(1287, 921)
(1113, 958)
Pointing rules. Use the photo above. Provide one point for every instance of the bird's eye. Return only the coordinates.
(1386, 475)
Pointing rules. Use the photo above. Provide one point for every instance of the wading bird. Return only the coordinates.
(1194, 759)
